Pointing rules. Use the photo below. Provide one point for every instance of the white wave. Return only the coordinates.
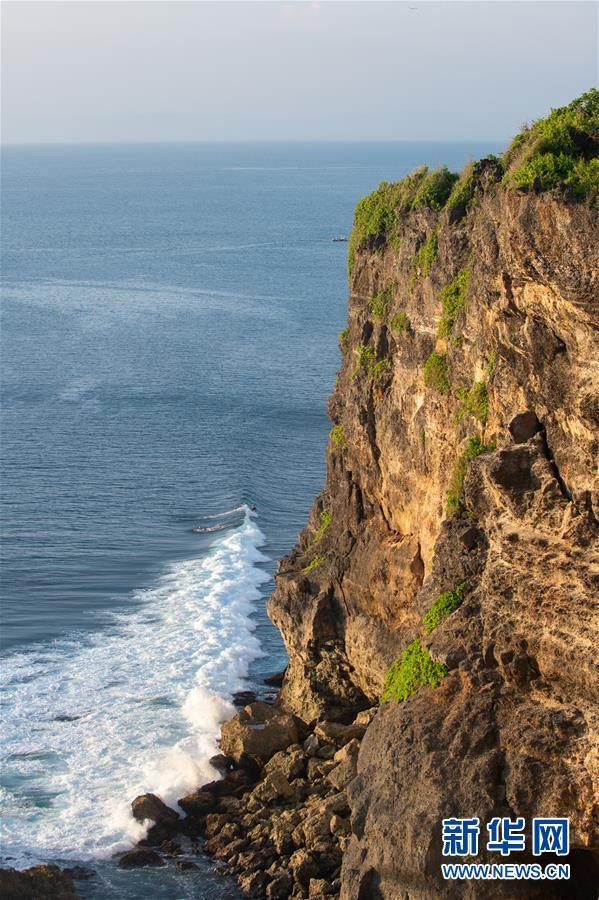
(88, 725)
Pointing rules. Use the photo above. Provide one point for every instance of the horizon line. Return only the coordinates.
(256, 141)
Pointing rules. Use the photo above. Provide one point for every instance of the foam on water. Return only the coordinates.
(89, 724)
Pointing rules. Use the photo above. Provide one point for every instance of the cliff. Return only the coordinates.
(458, 526)
(439, 609)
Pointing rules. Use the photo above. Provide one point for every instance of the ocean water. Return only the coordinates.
(169, 338)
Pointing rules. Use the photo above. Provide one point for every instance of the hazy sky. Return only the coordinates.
(177, 71)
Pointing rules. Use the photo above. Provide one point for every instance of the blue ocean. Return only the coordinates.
(169, 338)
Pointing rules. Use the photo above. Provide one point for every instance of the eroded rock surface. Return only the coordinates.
(513, 728)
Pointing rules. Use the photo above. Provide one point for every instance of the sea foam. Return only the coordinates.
(91, 723)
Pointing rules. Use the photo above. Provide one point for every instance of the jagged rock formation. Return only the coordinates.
(463, 453)
(37, 883)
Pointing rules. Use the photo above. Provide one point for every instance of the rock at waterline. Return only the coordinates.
(257, 733)
(139, 858)
(149, 806)
(36, 883)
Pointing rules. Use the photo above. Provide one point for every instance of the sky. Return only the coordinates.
(232, 71)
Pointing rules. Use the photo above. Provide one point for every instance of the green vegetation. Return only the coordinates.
(316, 561)
(434, 189)
(443, 607)
(400, 322)
(474, 448)
(343, 335)
(475, 402)
(560, 152)
(336, 435)
(463, 190)
(436, 372)
(415, 669)
(425, 257)
(490, 367)
(379, 305)
(325, 520)
(377, 215)
(453, 298)
(367, 362)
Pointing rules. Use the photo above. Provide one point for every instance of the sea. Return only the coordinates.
(169, 335)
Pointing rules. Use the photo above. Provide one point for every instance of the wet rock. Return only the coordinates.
(36, 883)
(223, 764)
(242, 698)
(149, 806)
(139, 858)
(185, 865)
(199, 803)
(80, 873)
(275, 680)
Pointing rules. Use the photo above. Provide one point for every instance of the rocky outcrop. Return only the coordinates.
(463, 455)
(36, 883)
(439, 609)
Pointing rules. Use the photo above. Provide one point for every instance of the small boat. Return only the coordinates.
(340, 239)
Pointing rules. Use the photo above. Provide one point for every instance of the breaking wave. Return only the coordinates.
(90, 723)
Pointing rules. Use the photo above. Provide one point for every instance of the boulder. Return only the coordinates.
(347, 765)
(149, 806)
(338, 734)
(36, 883)
(223, 764)
(199, 803)
(304, 867)
(291, 762)
(139, 858)
(256, 733)
(272, 787)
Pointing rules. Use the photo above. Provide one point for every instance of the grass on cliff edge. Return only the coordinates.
(558, 154)
(415, 669)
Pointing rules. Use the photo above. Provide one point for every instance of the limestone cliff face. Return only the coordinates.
(513, 365)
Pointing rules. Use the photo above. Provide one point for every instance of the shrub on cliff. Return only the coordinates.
(379, 305)
(474, 448)
(337, 436)
(475, 402)
(443, 607)
(436, 372)
(368, 363)
(453, 298)
(425, 257)
(434, 189)
(400, 322)
(560, 152)
(415, 669)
